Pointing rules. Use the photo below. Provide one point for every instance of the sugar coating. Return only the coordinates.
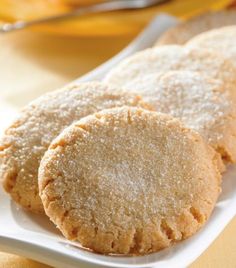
(127, 180)
(173, 57)
(221, 40)
(203, 104)
(186, 30)
(26, 140)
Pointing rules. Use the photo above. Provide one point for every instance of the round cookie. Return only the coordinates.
(26, 140)
(221, 40)
(186, 30)
(173, 57)
(128, 180)
(203, 104)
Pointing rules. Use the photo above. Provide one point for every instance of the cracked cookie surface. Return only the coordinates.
(127, 180)
(26, 140)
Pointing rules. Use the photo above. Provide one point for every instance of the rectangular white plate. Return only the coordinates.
(35, 237)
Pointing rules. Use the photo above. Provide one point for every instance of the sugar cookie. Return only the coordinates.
(186, 30)
(221, 40)
(173, 57)
(203, 104)
(128, 180)
(27, 139)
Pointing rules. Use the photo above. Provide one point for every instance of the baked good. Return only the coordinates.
(186, 30)
(26, 140)
(128, 180)
(221, 40)
(202, 104)
(173, 57)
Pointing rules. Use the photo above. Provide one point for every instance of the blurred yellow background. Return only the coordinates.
(113, 23)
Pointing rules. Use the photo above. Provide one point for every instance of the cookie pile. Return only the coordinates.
(133, 164)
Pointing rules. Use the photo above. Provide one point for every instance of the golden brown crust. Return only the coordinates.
(27, 139)
(127, 180)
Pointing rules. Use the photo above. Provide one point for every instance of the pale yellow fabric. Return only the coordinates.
(31, 64)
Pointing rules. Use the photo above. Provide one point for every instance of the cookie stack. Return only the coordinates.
(133, 164)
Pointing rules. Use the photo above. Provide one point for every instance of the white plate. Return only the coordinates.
(36, 237)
